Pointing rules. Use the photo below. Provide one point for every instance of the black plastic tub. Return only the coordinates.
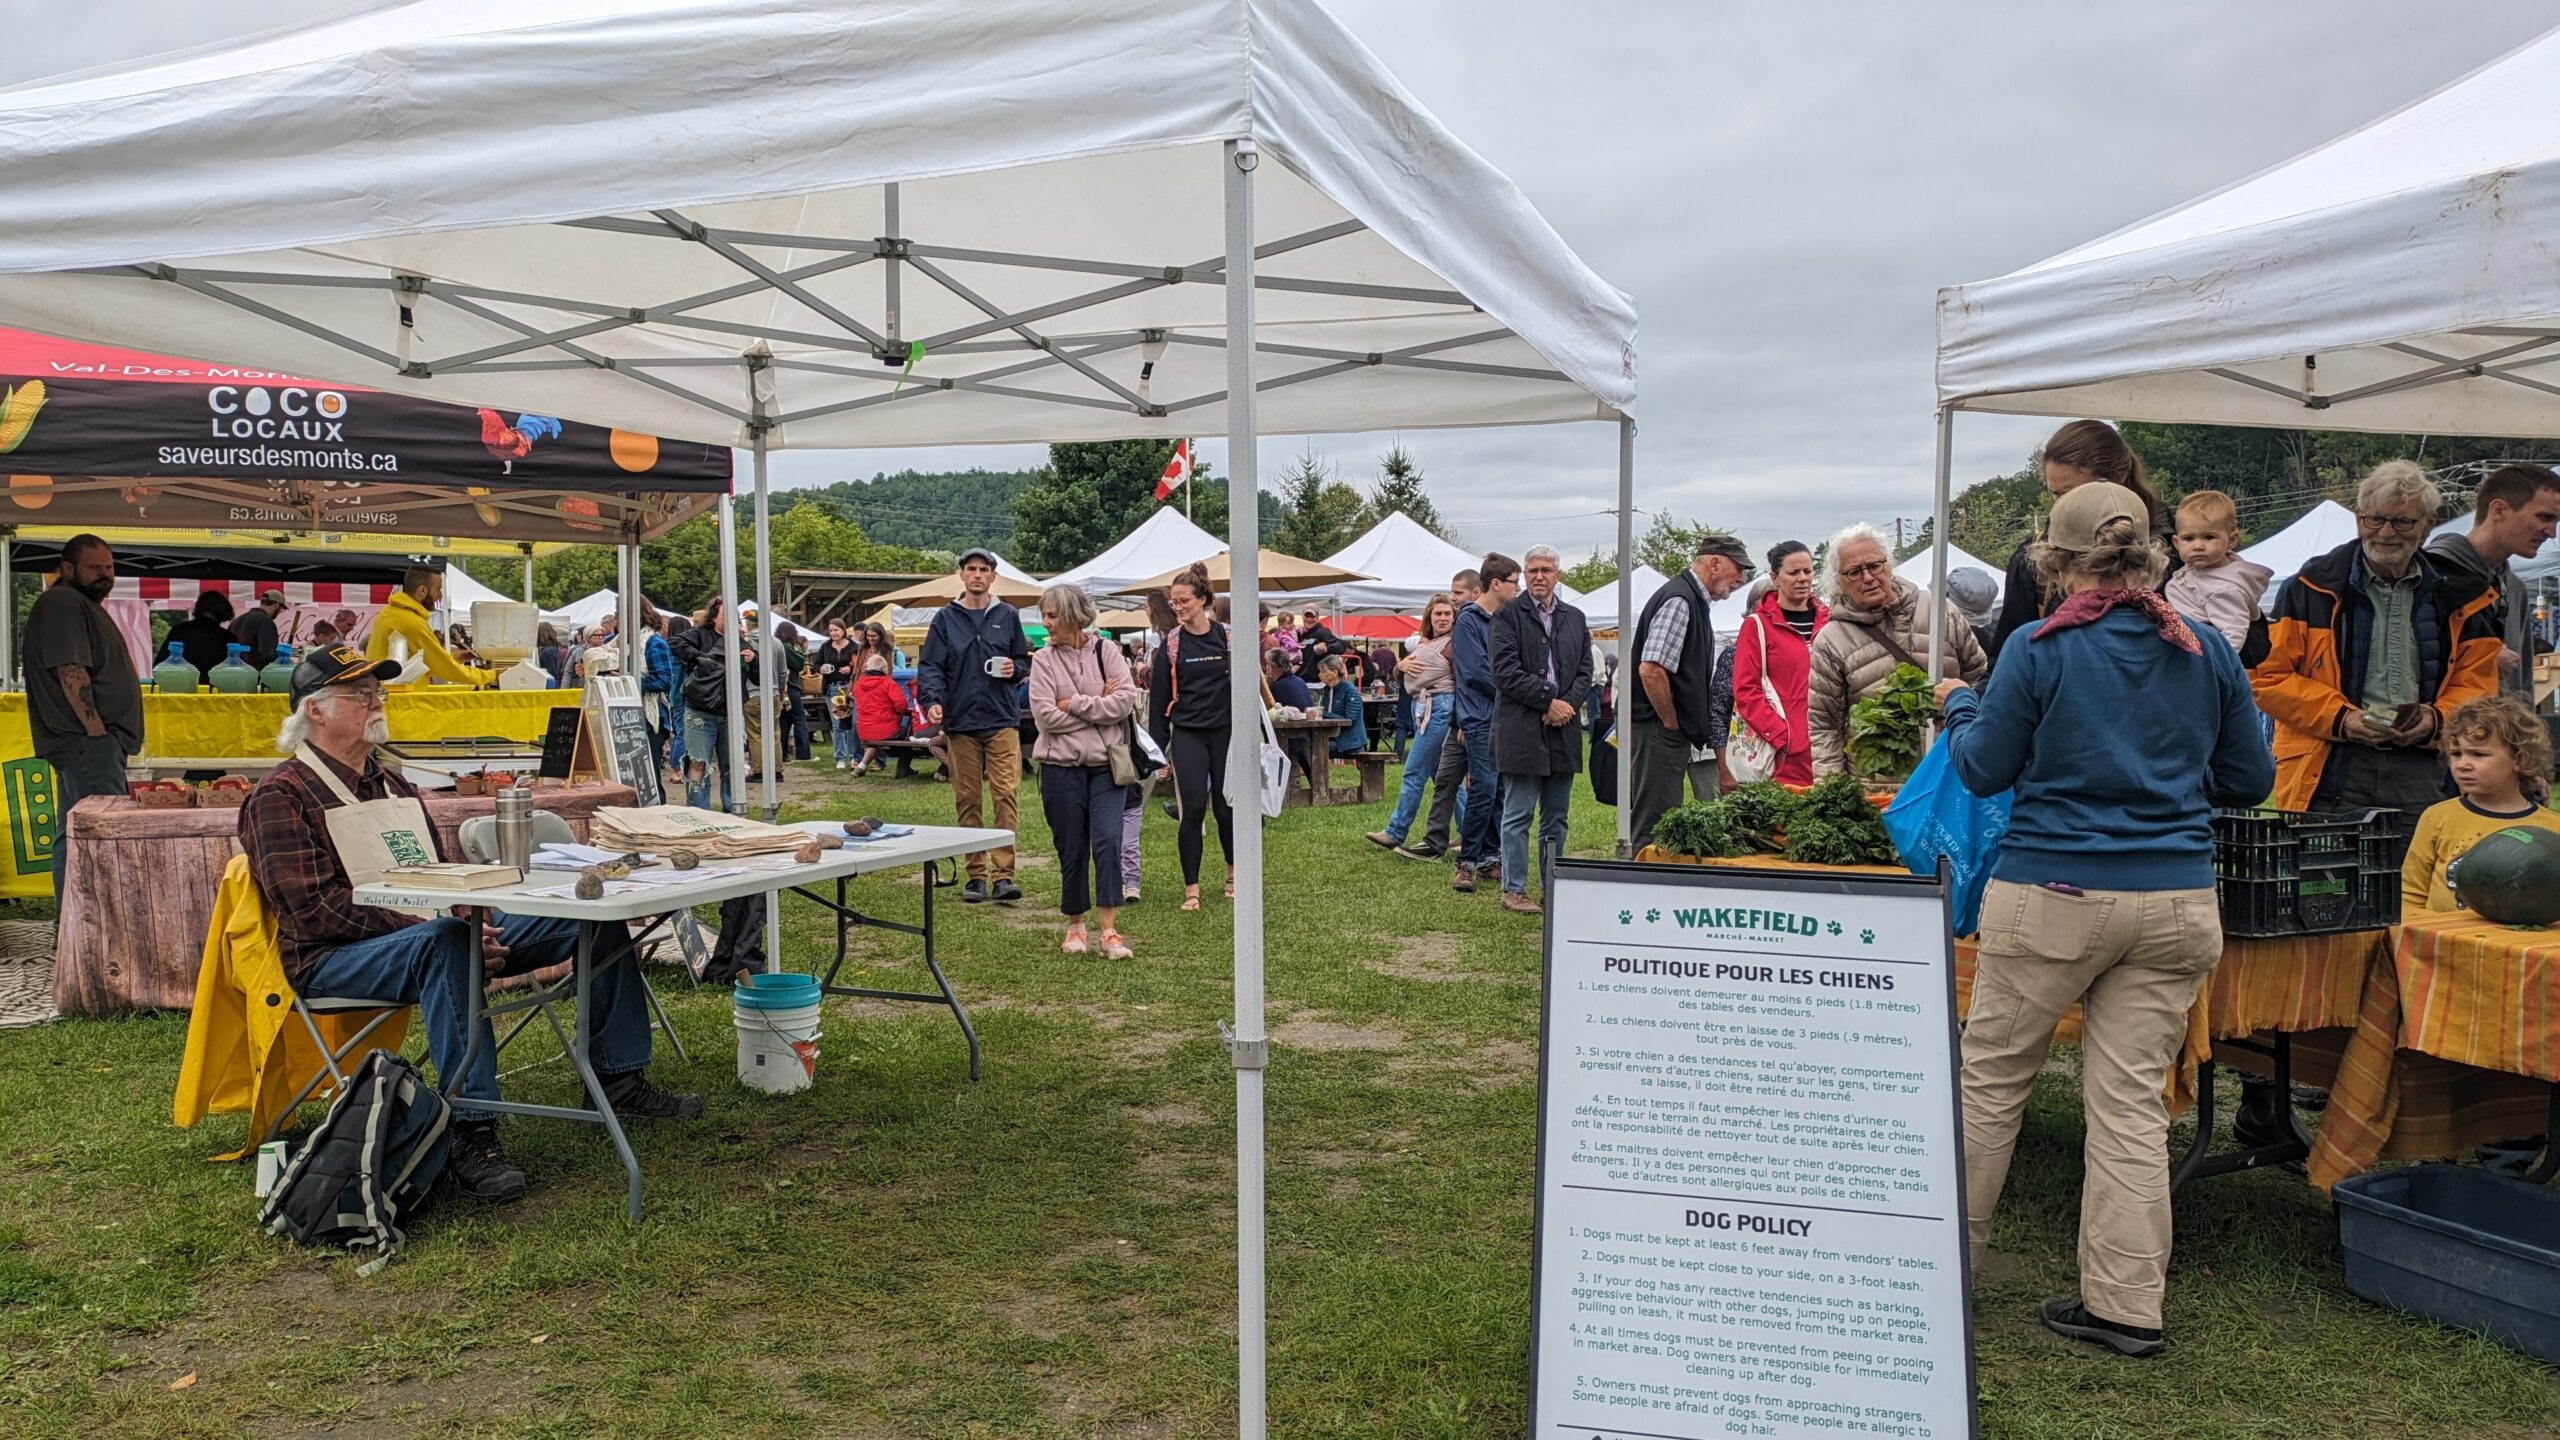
(2460, 1246)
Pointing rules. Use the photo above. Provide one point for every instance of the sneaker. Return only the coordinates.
(1005, 890)
(2067, 1317)
(1384, 841)
(974, 892)
(1518, 903)
(1464, 882)
(844, 764)
(1170, 812)
(632, 1095)
(480, 1168)
(1423, 850)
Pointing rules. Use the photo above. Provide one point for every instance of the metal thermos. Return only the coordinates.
(515, 827)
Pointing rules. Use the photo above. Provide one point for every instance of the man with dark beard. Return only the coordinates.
(84, 702)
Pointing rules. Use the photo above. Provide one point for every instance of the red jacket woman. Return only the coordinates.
(878, 704)
(1775, 644)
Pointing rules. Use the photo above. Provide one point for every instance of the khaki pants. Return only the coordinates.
(995, 762)
(2135, 960)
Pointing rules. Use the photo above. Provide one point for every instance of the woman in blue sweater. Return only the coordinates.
(2120, 726)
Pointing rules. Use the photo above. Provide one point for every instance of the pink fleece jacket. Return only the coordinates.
(2224, 597)
(1076, 720)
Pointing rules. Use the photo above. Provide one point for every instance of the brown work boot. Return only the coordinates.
(1518, 903)
(1464, 882)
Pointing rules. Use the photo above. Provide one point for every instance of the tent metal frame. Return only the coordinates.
(900, 366)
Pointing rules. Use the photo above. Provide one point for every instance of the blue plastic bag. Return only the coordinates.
(1934, 816)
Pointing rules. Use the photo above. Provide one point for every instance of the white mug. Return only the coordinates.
(999, 667)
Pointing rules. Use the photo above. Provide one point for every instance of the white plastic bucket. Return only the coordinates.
(777, 1049)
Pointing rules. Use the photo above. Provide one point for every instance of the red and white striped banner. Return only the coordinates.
(162, 593)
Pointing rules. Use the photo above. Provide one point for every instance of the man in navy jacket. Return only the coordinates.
(1471, 720)
(973, 656)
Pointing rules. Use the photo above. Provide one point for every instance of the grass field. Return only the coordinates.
(899, 1253)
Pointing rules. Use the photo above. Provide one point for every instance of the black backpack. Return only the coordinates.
(368, 1168)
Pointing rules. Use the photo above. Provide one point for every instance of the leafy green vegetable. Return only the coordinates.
(1761, 812)
(1704, 828)
(1835, 825)
(1887, 730)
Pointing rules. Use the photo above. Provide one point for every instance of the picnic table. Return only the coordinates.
(1308, 742)
(2456, 1042)
(138, 887)
(657, 903)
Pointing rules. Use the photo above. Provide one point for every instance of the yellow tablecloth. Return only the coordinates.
(2457, 1041)
(239, 727)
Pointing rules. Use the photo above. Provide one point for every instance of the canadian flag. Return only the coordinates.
(1177, 471)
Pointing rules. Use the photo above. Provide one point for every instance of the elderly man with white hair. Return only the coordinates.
(1540, 651)
(1879, 623)
(332, 817)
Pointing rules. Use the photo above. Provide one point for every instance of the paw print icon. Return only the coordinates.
(1835, 927)
(1626, 917)
(1866, 937)
(1650, 916)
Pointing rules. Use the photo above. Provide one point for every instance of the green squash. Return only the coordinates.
(2512, 876)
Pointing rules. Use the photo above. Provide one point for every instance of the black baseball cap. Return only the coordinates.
(1728, 547)
(977, 552)
(328, 665)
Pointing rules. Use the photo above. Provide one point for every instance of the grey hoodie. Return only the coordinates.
(2454, 551)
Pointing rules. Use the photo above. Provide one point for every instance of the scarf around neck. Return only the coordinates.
(2091, 605)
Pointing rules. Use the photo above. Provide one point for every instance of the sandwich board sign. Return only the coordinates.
(614, 742)
(1750, 1194)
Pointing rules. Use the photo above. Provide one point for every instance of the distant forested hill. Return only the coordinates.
(946, 511)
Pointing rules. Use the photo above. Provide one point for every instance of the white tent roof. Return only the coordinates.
(461, 592)
(1162, 541)
(587, 609)
(1600, 607)
(2322, 528)
(2354, 287)
(1411, 565)
(1916, 569)
(1056, 211)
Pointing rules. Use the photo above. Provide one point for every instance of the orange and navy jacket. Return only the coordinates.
(2321, 637)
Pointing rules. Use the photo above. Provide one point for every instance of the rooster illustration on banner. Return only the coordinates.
(511, 443)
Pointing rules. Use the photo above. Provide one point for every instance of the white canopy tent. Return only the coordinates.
(1411, 565)
(1163, 541)
(1922, 567)
(1602, 611)
(586, 610)
(2323, 528)
(2397, 279)
(859, 223)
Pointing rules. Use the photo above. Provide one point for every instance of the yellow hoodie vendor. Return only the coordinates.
(406, 621)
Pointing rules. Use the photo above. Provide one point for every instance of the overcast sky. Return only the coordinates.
(1782, 189)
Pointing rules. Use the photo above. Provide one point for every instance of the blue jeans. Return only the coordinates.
(1480, 808)
(848, 744)
(1419, 762)
(429, 965)
(1552, 795)
(706, 748)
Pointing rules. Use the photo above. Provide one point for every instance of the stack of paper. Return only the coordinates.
(658, 829)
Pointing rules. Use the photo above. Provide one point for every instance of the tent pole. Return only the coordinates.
(733, 762)
(769, 747)
(1626, 761)
(8, 611)
(1938, 544)
(1247, 1048)
(528, 574)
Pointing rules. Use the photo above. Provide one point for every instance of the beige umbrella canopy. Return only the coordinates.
(943, 589)
(1278, 573)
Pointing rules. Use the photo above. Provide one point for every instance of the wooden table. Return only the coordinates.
(1308, 742)
(138, 884)
(2456, 1043)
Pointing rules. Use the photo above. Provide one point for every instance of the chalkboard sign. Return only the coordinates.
(559, 743)
(621, 735)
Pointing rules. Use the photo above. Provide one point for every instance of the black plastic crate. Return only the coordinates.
(2459, 1246)
(2280, 872)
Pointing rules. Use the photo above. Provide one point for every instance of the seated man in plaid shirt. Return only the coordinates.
(332, 797)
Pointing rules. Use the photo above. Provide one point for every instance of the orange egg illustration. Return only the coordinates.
(31, 492)
(633, 452)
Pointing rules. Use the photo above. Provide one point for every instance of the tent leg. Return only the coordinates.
(1625, 760)
(8, 612)
(1938, 545)
(528, 574)
(733, 764)
(1247, 1047)
(769, 747)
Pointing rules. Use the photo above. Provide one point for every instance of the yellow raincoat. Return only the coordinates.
(245, 1048)
(406, 620)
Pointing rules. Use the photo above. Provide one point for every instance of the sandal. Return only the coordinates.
(1074, 944)
(1114, 947)
(1191, 901)
(1231, 887)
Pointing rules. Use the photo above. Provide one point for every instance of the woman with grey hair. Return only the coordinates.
(1879, 623)
(1082, 697)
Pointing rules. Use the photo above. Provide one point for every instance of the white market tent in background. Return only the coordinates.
(461, 592)
(1411, 565)
(2322, 528)
(1163, 541)
(2398, 279)
(858, 224)
(1921, 567)
(1600, 611)
(587, 609)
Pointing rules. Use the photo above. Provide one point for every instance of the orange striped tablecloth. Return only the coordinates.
(2297, 984)
(2457, 1041)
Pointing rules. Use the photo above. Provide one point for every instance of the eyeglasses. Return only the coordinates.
(1861, 572)
(369, 696)
(2395, 522)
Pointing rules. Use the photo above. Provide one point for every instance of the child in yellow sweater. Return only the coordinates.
(2500, 754)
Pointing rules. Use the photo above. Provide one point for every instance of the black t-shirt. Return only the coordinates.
(1187, 685)
(66, 627)
(200, 643)
(256, 629)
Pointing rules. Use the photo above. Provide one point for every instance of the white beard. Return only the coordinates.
(377, 729)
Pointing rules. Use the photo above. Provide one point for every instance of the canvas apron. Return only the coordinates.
(372, 836)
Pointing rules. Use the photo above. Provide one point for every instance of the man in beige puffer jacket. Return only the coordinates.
(1850, 659)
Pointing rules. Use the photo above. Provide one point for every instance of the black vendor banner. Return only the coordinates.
(91, 435)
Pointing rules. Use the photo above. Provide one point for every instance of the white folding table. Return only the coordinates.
(925, 845)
